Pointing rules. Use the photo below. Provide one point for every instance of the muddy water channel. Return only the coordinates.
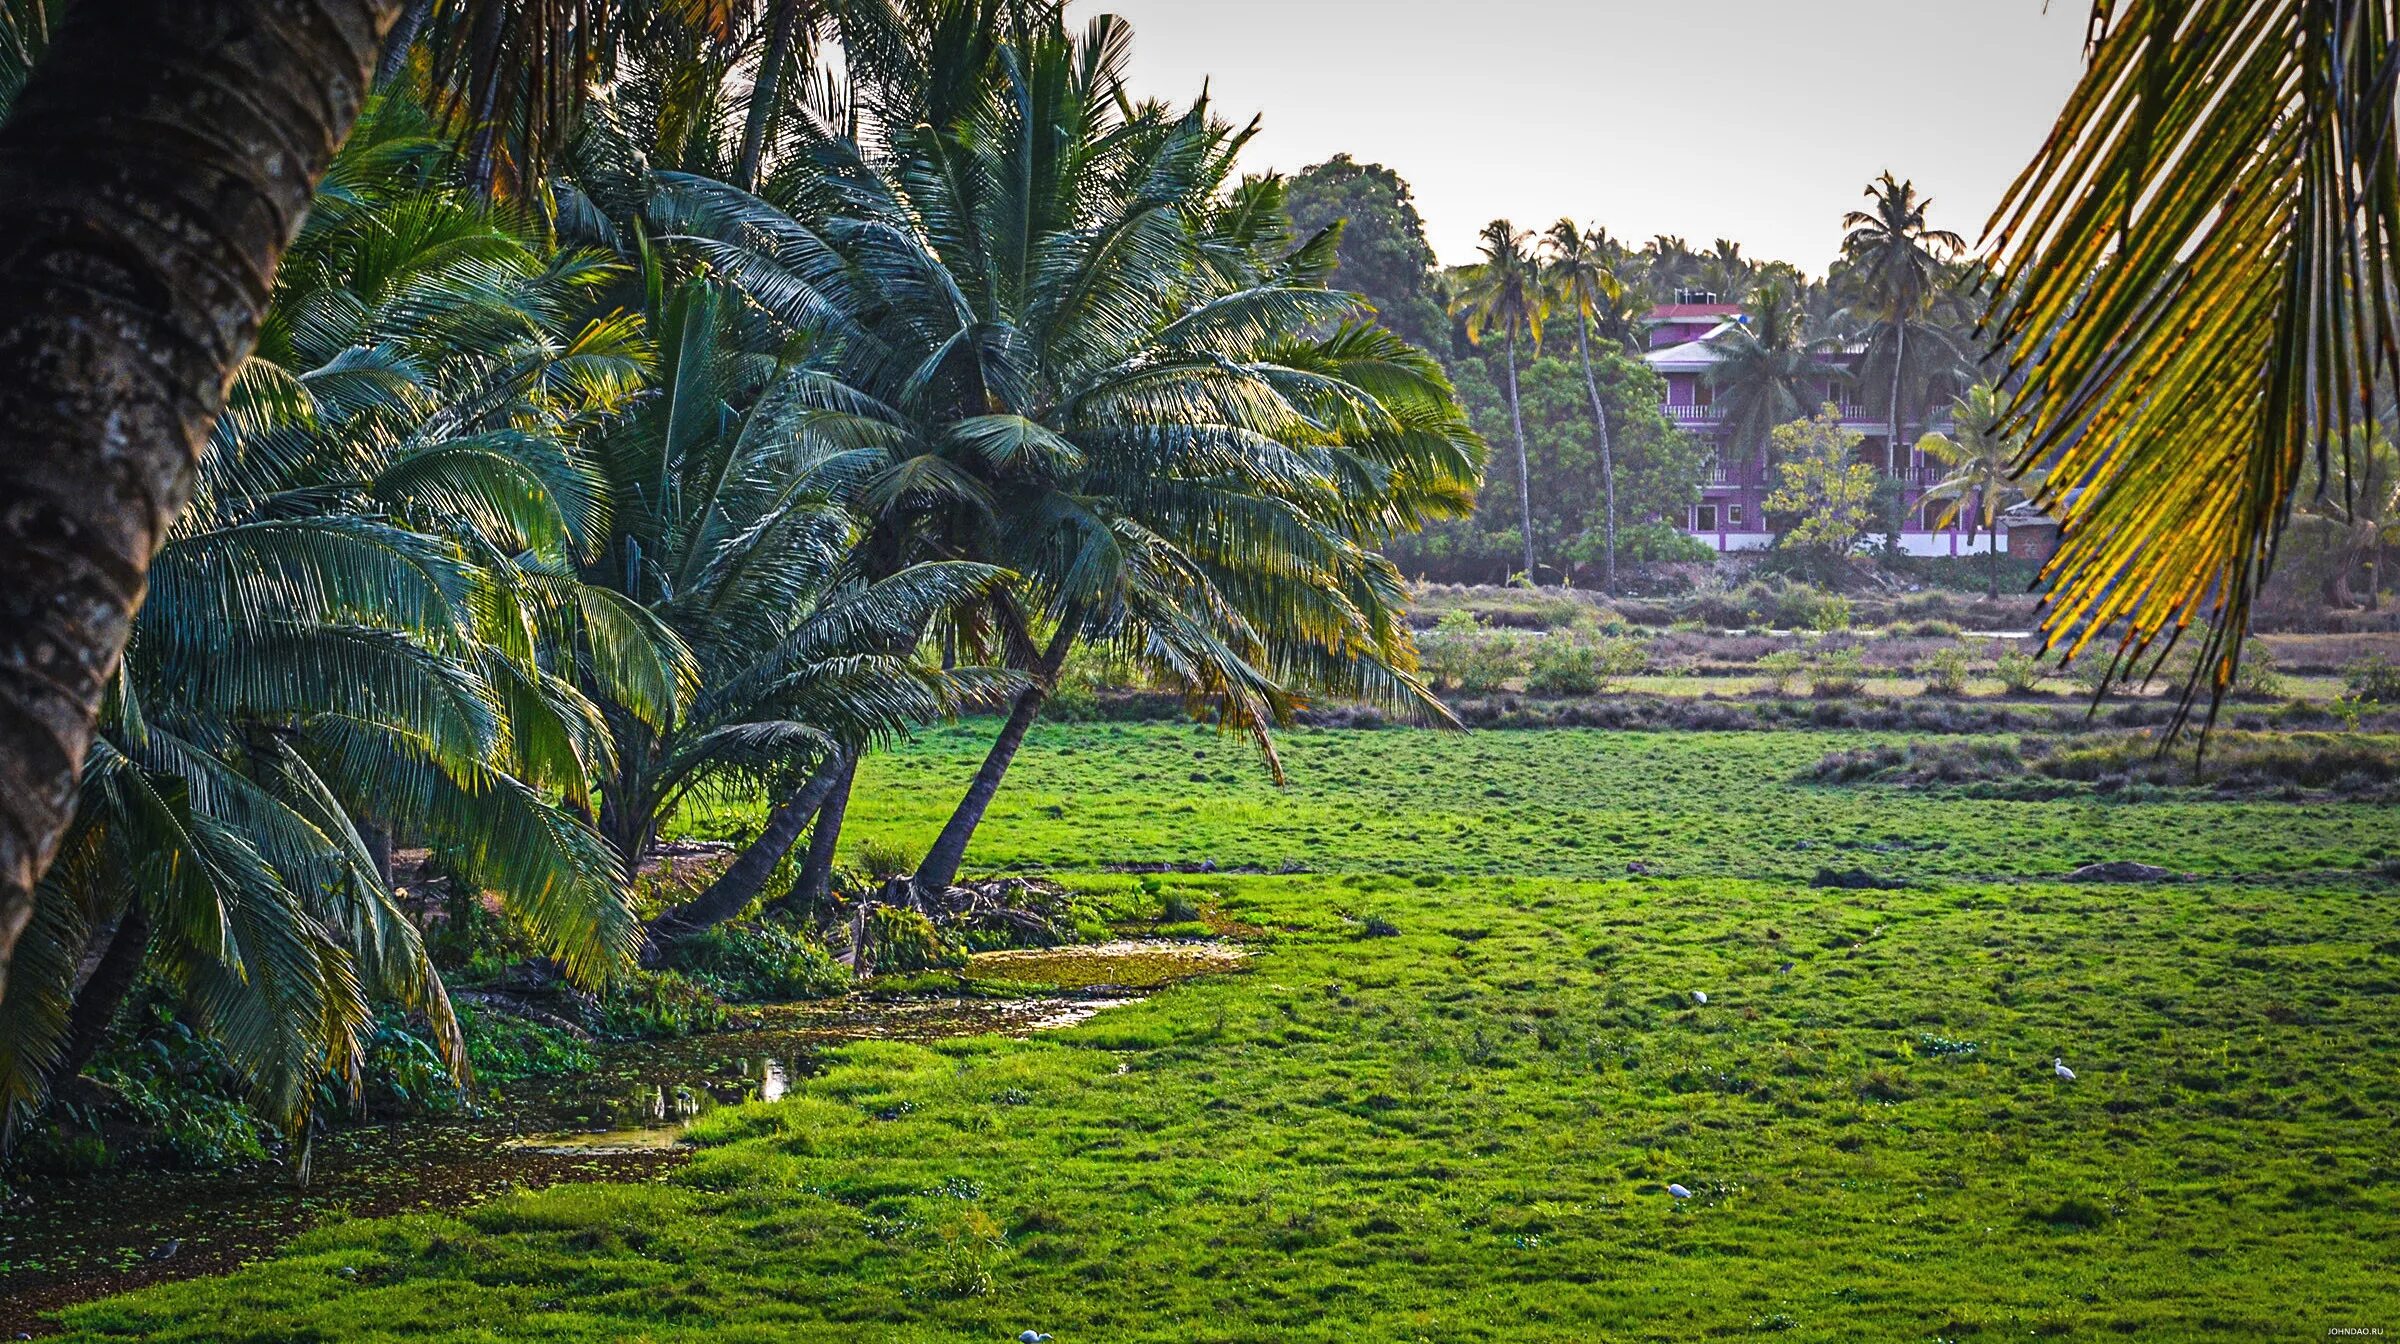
(71, 1240)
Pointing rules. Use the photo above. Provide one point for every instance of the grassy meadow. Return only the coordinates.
(1444, 1099)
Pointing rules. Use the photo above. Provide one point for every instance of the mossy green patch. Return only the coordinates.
(1446, 1097)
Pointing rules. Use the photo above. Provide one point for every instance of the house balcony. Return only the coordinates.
(1694, 415)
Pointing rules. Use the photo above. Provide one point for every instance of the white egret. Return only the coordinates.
(1678, 1191)
(2059, 1067)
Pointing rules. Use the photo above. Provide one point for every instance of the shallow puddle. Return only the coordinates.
(71, 1240)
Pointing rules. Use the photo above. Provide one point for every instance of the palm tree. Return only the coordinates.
(2182, 362)
(1070, 344)
(1582, 275)
(2356, 507)
(1982, 452)
(1505, 291)
(1900, 264)
(108, 385)
(362, 622)
(730, 530)
(1766, 374)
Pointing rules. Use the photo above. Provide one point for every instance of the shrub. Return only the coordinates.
(1781, 668)
(2373, 678)
(502, 1049)
(1461, 654)
(1946, 670)
(759, 963)
(2020, 673)
(1563, 665)
(883, 860)
(1832, 614)
(899, 939)
(1837, 672)
(659, 1003)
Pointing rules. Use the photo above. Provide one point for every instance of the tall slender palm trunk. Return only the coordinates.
(1608, 466)
(780, 28)
(153, 172)
(102, 993)
(949, 850)
(1891, 444)
(1516, 422)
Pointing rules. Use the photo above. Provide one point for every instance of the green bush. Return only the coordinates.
(503, 1050)
(1946, 670)
(1565, 665)
(1460, 654)
(883, 860)
(904, 940)
(2020, 673)
(2373, 678)
(760, 962)
(1781, 668)
(659, 1003)
(1837, 672)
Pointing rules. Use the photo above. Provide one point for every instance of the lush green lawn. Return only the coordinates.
(1462, 1130)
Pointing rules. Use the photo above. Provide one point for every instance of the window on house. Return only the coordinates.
(1733, 515)
(1701, 391)
(1704, 518)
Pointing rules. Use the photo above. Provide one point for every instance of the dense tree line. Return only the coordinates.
(663, 403)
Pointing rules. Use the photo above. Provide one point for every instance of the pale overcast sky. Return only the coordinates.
(1756, 120)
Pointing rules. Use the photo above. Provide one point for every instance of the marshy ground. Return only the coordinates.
(1445, 1095)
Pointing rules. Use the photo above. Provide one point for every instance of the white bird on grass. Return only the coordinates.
(1033, 1337)
(2059, 1067)
(1678, 1191)
(1699, 996)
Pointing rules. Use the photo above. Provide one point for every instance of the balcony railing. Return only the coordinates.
(1695, 415)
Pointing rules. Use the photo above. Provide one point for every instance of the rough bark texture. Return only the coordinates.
(940, 867)
(746, 876)
(151, 176)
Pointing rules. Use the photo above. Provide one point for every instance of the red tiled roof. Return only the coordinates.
(1684, 312)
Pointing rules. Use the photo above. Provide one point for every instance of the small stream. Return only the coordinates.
(72, 1240)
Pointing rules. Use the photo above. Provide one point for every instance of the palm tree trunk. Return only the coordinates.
(399, 40)
(1891, 444)
(154, 170)
(1516, 421)
(97, 1001)
(824, 840)
(1608, 466)
(762, 93)
(743, 879)
(940, 867)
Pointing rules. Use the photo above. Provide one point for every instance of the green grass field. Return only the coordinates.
(1444, 1100)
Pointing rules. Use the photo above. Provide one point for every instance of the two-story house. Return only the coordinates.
(1731, 515)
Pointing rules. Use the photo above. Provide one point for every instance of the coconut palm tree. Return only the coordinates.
(364, 621)
(2200, 305)
(1504, 292)
(1070, 344)
(1982, 452)
(1766, 373)
(1583, 278)
(1900, 264)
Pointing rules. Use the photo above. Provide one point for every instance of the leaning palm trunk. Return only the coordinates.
(949, 850)
(151, 176)
(1516, 421)
(824, 840)
(1608, 468)
(746, 877)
